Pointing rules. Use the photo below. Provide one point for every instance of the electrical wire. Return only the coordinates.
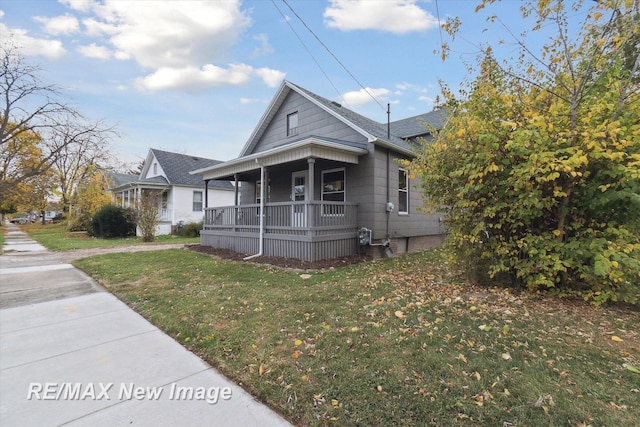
(331, 53)
(308, 51)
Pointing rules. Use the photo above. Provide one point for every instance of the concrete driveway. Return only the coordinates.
(73, 354)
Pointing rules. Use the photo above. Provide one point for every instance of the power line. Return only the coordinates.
(439, 26)
(308, 51)
(330, 52)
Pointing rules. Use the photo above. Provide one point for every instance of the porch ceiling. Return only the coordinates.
(308, 148)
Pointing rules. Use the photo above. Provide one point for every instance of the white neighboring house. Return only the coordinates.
(182, 196)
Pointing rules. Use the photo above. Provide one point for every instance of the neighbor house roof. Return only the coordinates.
(119, 179)
(176, 168)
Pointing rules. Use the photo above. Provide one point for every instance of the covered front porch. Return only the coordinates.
(309, 231)
(302, 212)
(130, 196)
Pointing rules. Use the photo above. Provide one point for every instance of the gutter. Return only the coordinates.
(262, 190)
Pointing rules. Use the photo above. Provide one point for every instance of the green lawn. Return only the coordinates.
(394, 342)
(55, 237)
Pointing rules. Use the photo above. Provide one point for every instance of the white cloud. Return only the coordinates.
(178, 42)
(31, 46)
(95, 28)
(164, 34)
(403, 87)
(193, 79)
(363, 96)
(271, 77)
(59, 25)
(264, 45)
(79, 5)
(397, 16)
(95, 51)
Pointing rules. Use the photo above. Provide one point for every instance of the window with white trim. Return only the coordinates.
(403, 191)
(197, 201)
(333, 190)
(292, 124)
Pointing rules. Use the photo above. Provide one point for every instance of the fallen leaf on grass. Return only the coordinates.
(399, 314)
(261, 370)
(462, 358)
(616, 338)
(506, 356)
(485, 328)
(631, 368)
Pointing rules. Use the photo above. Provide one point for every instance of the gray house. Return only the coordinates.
(318, 181)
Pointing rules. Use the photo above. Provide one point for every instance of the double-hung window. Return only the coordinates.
(333, 190)
(197, 201)
(292, 124)
(403, 191)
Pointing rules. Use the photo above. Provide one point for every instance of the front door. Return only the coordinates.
(299, 196)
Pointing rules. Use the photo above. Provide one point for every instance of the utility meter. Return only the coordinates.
(364, 236)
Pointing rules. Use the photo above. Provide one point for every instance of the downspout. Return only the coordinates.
(388, 206)
(388, 167)
(261, 238)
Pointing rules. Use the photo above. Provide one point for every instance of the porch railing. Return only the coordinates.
(295, 218)
(164, 214)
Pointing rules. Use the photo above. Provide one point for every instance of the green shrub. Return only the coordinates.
(191, 229)
(113, 221)
(79, 222)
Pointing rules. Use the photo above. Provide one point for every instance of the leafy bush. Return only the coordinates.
(79, 222)
(113, 221)
(147, 215)
(191, 229)
(538, 170)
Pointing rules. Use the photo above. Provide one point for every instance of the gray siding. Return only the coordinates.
(416, 222)
(366, 185)
(286, 246)
(312, 120)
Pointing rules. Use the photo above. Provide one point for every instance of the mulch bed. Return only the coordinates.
(288, 263)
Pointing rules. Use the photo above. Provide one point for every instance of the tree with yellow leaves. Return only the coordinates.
(538, 167)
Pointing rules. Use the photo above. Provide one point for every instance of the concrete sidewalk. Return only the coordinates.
(73, 354)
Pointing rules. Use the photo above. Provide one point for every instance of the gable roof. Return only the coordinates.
(374, 131)
(177, 167)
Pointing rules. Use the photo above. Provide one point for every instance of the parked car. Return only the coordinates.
(21, 220)
(50, 217)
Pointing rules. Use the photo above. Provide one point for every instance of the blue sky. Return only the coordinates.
(196, 76)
